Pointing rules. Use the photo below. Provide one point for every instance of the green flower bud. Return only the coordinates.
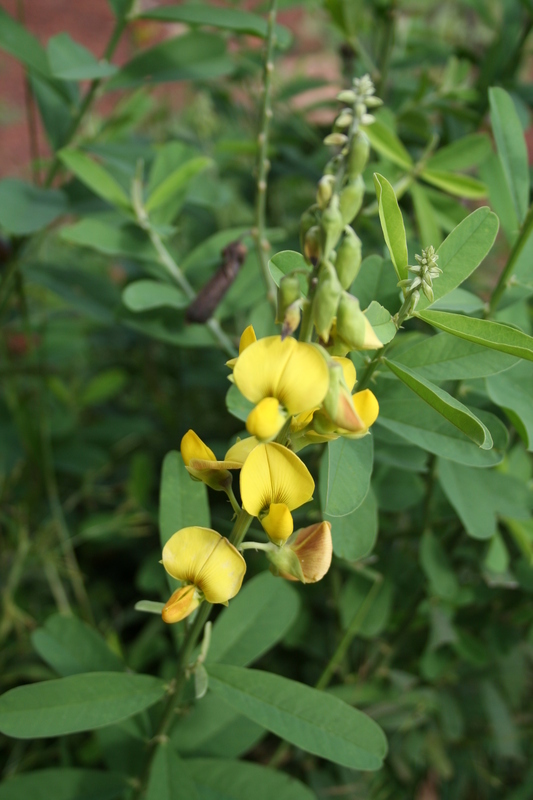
(326, 300)
(331, 226)
(348, 259)
(291, 320)
(288, 293)
(358, 155)
(351, 199)
(351, 321)
(332, 167)
(335, 139)
(312, 245)
(325, 190)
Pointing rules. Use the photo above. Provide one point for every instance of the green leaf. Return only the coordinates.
(237, 404)
(95, 177)
(18, 42)
(355, 534)
(381, 322)
(182, 501)
(77, 703)
(169, 776)
(354, 596)
(176, 182)
(120, 7)
(344, 476)
(385, 142)
(505, 732)
(213, 728)
(222, 779)
(459, 185)
(482, 331)
(231, 19)
(70, 61)
(497, 556)
(26, 209)
(64, 784)
(511, 148)
(437, 567)
(459, 300)
(55, 108)
(111, 240)
(513, 392)
(450, 408)
(493, 176)
(318, 723)
(255, 620)
(464, 153)
(392, 224)
(104, 386)
(462, 251)
(149, 607)
(480, 496)
(428, 226)
(194, 56)
(285, 262)
(447, 358)
(146, 295)
(403, 413)
(70, 646)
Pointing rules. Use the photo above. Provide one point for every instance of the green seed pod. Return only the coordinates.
(351, 321)
(324, 190)
(351, 199)
(312, 245)
(358, 155)
(288, 293)
(348, 259)
(331, 226)
(326, 300)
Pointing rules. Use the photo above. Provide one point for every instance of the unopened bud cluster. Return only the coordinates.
(425, 273)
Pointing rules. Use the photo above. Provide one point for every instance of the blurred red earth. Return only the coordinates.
(90, 22)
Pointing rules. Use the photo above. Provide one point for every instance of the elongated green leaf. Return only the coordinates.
(176, 182)
(26, 209)
(492, 174)
(195, 56)
(344, 475)
(182, 501)
(386, 143)
(18, 42)
(169, 776)
(513, 391)
(403, 413)
(256, 619)
(451, 182)
(222, 779)
(450, 408)
(70, 61)
(437, 567)
(232, 19)
(77, 703)
(95, 177)
(70, 646)
(466, 152)
(511, 147)
(462, 251)
(312, 720)
(482, 331)
(447, 358)
(428, 226)
(145, 295)
(459, 300)
(64, 784)
(381, 322)
(110, 239)
(355, 534)
(392, 224)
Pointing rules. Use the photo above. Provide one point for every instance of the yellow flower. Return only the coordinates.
(274, 481)
(202, 465)
(207, 563)
(367, 409)
(248, 337)
(281, 378)
(306, 557)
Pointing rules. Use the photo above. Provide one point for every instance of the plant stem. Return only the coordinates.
(263, 164)
(503, 280)
(371, 368)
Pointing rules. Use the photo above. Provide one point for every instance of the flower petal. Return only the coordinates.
(248, 337)
(278, 523)
(266, 420)
(186, 552)
(240, 451)
(366, 406)
(348, 370)
(193, 447)
(182, 603)
(221, 576)
(273, 474)
(314, 548)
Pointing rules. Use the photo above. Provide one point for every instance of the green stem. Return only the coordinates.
(504, 279)
(263, 164)
(371, 368)
(266, 546)
(233, 500)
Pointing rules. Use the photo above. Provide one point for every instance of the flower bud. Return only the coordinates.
(325, 190)
(351, 199)
(288, 293)
(344, 120)
(182, 603)
(347, 96)
(331, 226)
(312, 247)
(326, 300)
(307, 555)
(307, 220)
(336, 139)
(291, 319)
(338, 401)
(348, 259)
(358, 155)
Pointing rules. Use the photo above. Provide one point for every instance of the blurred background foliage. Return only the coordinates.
(101, 376)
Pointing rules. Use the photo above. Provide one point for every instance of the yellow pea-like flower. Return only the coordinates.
(306, 557)
(295, 374)
(210, 566)
(367, 410)
(248, 337)
(202, 464)
(274, 481)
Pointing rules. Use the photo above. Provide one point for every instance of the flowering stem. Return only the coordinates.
(371, 368)
(240, 528)
(263, 163)
(503, 280)
(233, 500)
(266, 546)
